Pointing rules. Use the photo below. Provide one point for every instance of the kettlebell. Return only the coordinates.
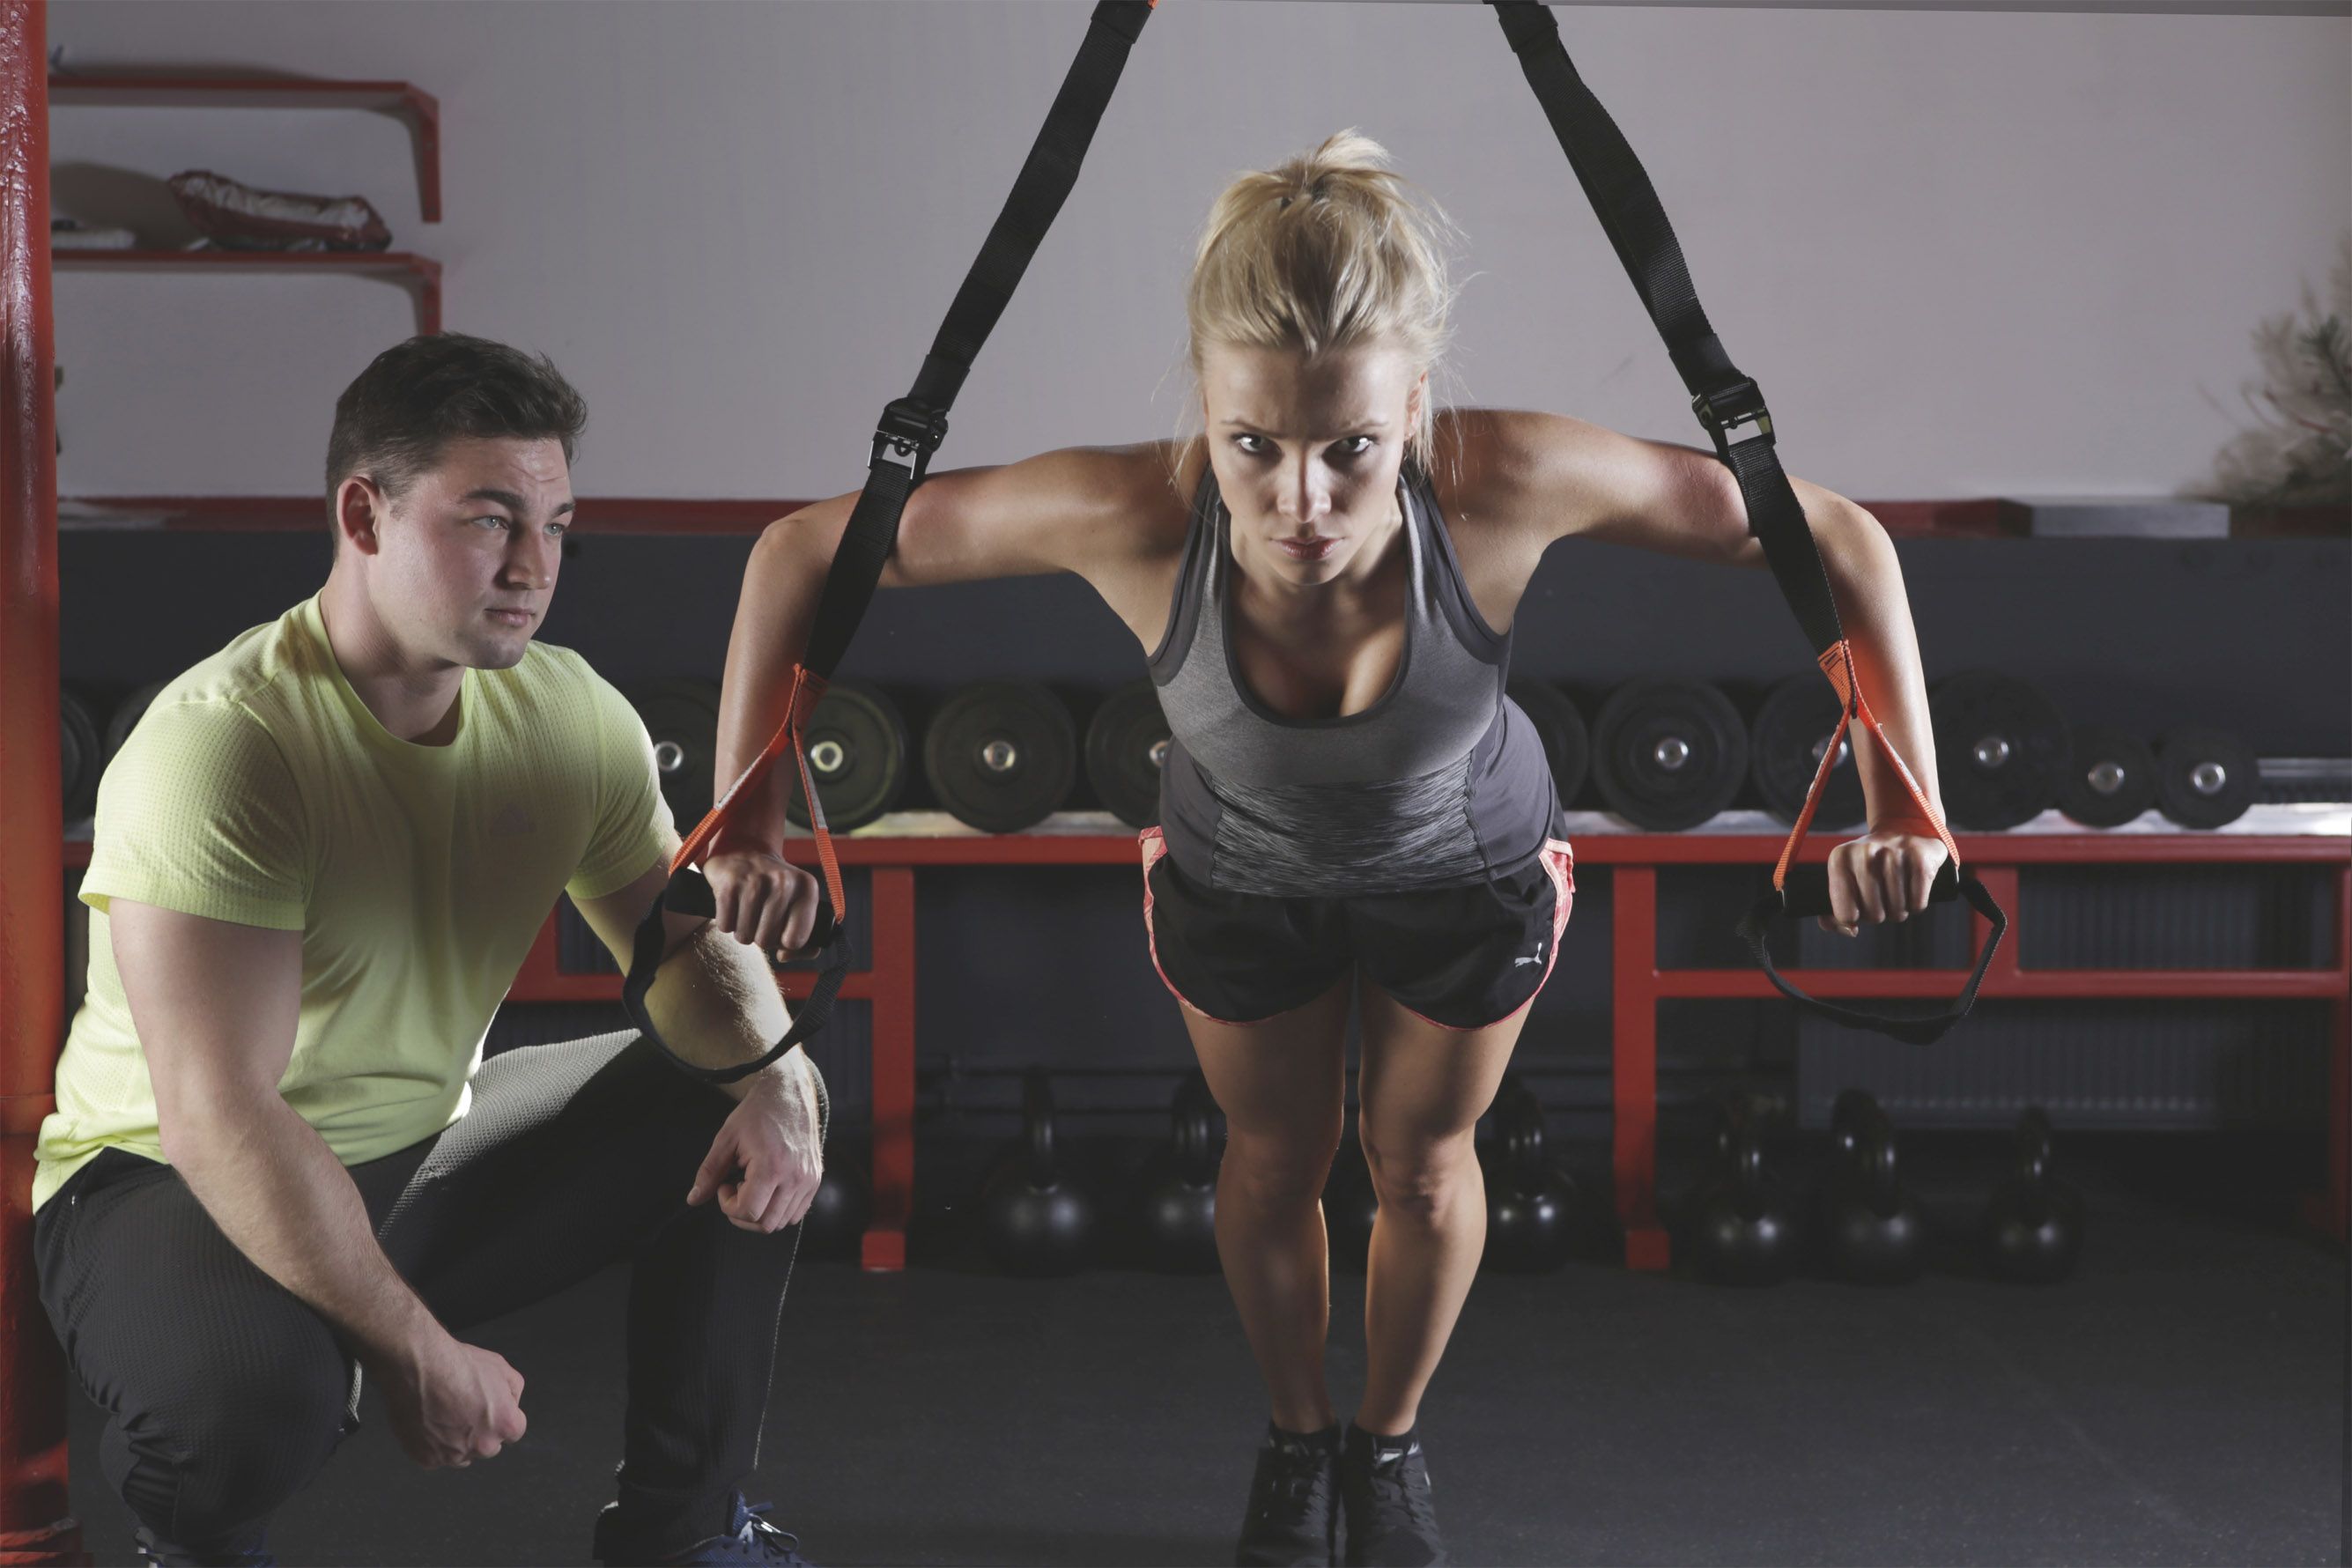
(1529, 1204)
(2032, 1231)
(1874, 1231)
(1036, 1223)
(1743, 1233)
(835, 1226)
(1178, 1202)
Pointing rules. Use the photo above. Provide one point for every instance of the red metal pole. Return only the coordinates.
(893, 902)
(35, 1525)
(1633, 1003)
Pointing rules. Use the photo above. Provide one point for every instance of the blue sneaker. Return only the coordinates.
(750, 1538)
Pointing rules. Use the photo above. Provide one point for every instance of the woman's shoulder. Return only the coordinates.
(1500, 467)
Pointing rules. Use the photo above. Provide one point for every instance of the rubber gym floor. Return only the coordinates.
(2180, 1400)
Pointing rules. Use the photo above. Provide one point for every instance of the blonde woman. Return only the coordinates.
(1324, 583)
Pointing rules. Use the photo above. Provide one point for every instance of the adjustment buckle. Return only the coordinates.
(910, 430)
(1734, 416)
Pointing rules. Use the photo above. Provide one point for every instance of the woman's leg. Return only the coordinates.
(1420, 1093)
(1282, 1083)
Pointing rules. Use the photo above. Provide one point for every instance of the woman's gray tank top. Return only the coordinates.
(1443, 782)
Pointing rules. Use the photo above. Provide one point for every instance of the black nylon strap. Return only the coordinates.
(1727, 403)
(686, 893)
(910, 429)
(1922, 1030)
(1635, 221)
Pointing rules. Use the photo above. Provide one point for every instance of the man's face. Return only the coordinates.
(464, 566)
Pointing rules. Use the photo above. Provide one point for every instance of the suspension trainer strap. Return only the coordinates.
(1732, 409)
(908, 432)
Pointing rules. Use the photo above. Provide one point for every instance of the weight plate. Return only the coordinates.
(1002, 755)
(856, 745)
(2001, 749)
(78, 755)
(1793, 729)
(1567, 745)
(125, 719)
(682, 717)
(1668, 754)
(2111, 778)
(2204, 778)
(1127, 742)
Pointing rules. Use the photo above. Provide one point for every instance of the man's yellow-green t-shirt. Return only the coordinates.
(259, 789)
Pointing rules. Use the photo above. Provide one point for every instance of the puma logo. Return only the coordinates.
(1537, 959)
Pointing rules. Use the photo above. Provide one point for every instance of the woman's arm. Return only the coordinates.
(1073, 511)
(1559, 477)
(1085, 511)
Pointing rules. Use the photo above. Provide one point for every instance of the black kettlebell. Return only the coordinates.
(1179, 1201)
(835, 1226)
(1036, 1223)
(1529, 1204)
(2032, 1231)
(1743, 1233)
(1874, 1231)
(1351, 1206)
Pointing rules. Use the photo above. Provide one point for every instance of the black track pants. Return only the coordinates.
(226, 1393)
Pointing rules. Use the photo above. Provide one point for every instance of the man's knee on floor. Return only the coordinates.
(209, 1461)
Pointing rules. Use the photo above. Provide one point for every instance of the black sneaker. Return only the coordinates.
(250, 1550)
(1384, 1489)
(1293, 1502)
(750, 1538)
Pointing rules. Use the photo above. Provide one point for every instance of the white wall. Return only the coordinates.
(1965, 254)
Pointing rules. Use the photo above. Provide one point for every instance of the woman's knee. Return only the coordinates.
(1284, 1170)
(1421, 1178)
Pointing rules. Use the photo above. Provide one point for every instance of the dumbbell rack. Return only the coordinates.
(899, 846)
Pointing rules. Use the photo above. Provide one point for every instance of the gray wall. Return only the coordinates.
(1965, 254)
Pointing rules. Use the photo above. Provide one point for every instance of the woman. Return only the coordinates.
(1324, 583)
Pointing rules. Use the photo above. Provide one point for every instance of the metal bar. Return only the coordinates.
(2037, 985)
(35, 1522)
(2032, 7)
(1634, 1046)
(893, 967)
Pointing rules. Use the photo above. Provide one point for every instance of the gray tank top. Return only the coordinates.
(1441, 783)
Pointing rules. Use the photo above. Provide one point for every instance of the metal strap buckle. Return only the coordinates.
(910, 430)
(1734, 416)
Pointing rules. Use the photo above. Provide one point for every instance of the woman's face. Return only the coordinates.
(1305, 451)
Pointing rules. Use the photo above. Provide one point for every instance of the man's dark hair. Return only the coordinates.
(392, 423)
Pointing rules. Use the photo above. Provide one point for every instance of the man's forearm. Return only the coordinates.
(277, 1192)
(716, 1004)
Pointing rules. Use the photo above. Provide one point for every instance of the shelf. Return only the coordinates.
(303, 514)
(656, 515)
(404, 101)
(420, 274)
(2266, 835)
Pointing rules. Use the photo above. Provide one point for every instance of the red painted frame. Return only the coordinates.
(644, 515)
(1639, 984)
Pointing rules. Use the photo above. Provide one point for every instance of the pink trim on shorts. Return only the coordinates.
(1558, 859)
(1155, 845)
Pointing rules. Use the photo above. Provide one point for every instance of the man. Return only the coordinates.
(278, 1157)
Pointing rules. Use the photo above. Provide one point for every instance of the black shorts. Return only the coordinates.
(1461, 957)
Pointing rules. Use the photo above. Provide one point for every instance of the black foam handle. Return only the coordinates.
(1807, 890)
